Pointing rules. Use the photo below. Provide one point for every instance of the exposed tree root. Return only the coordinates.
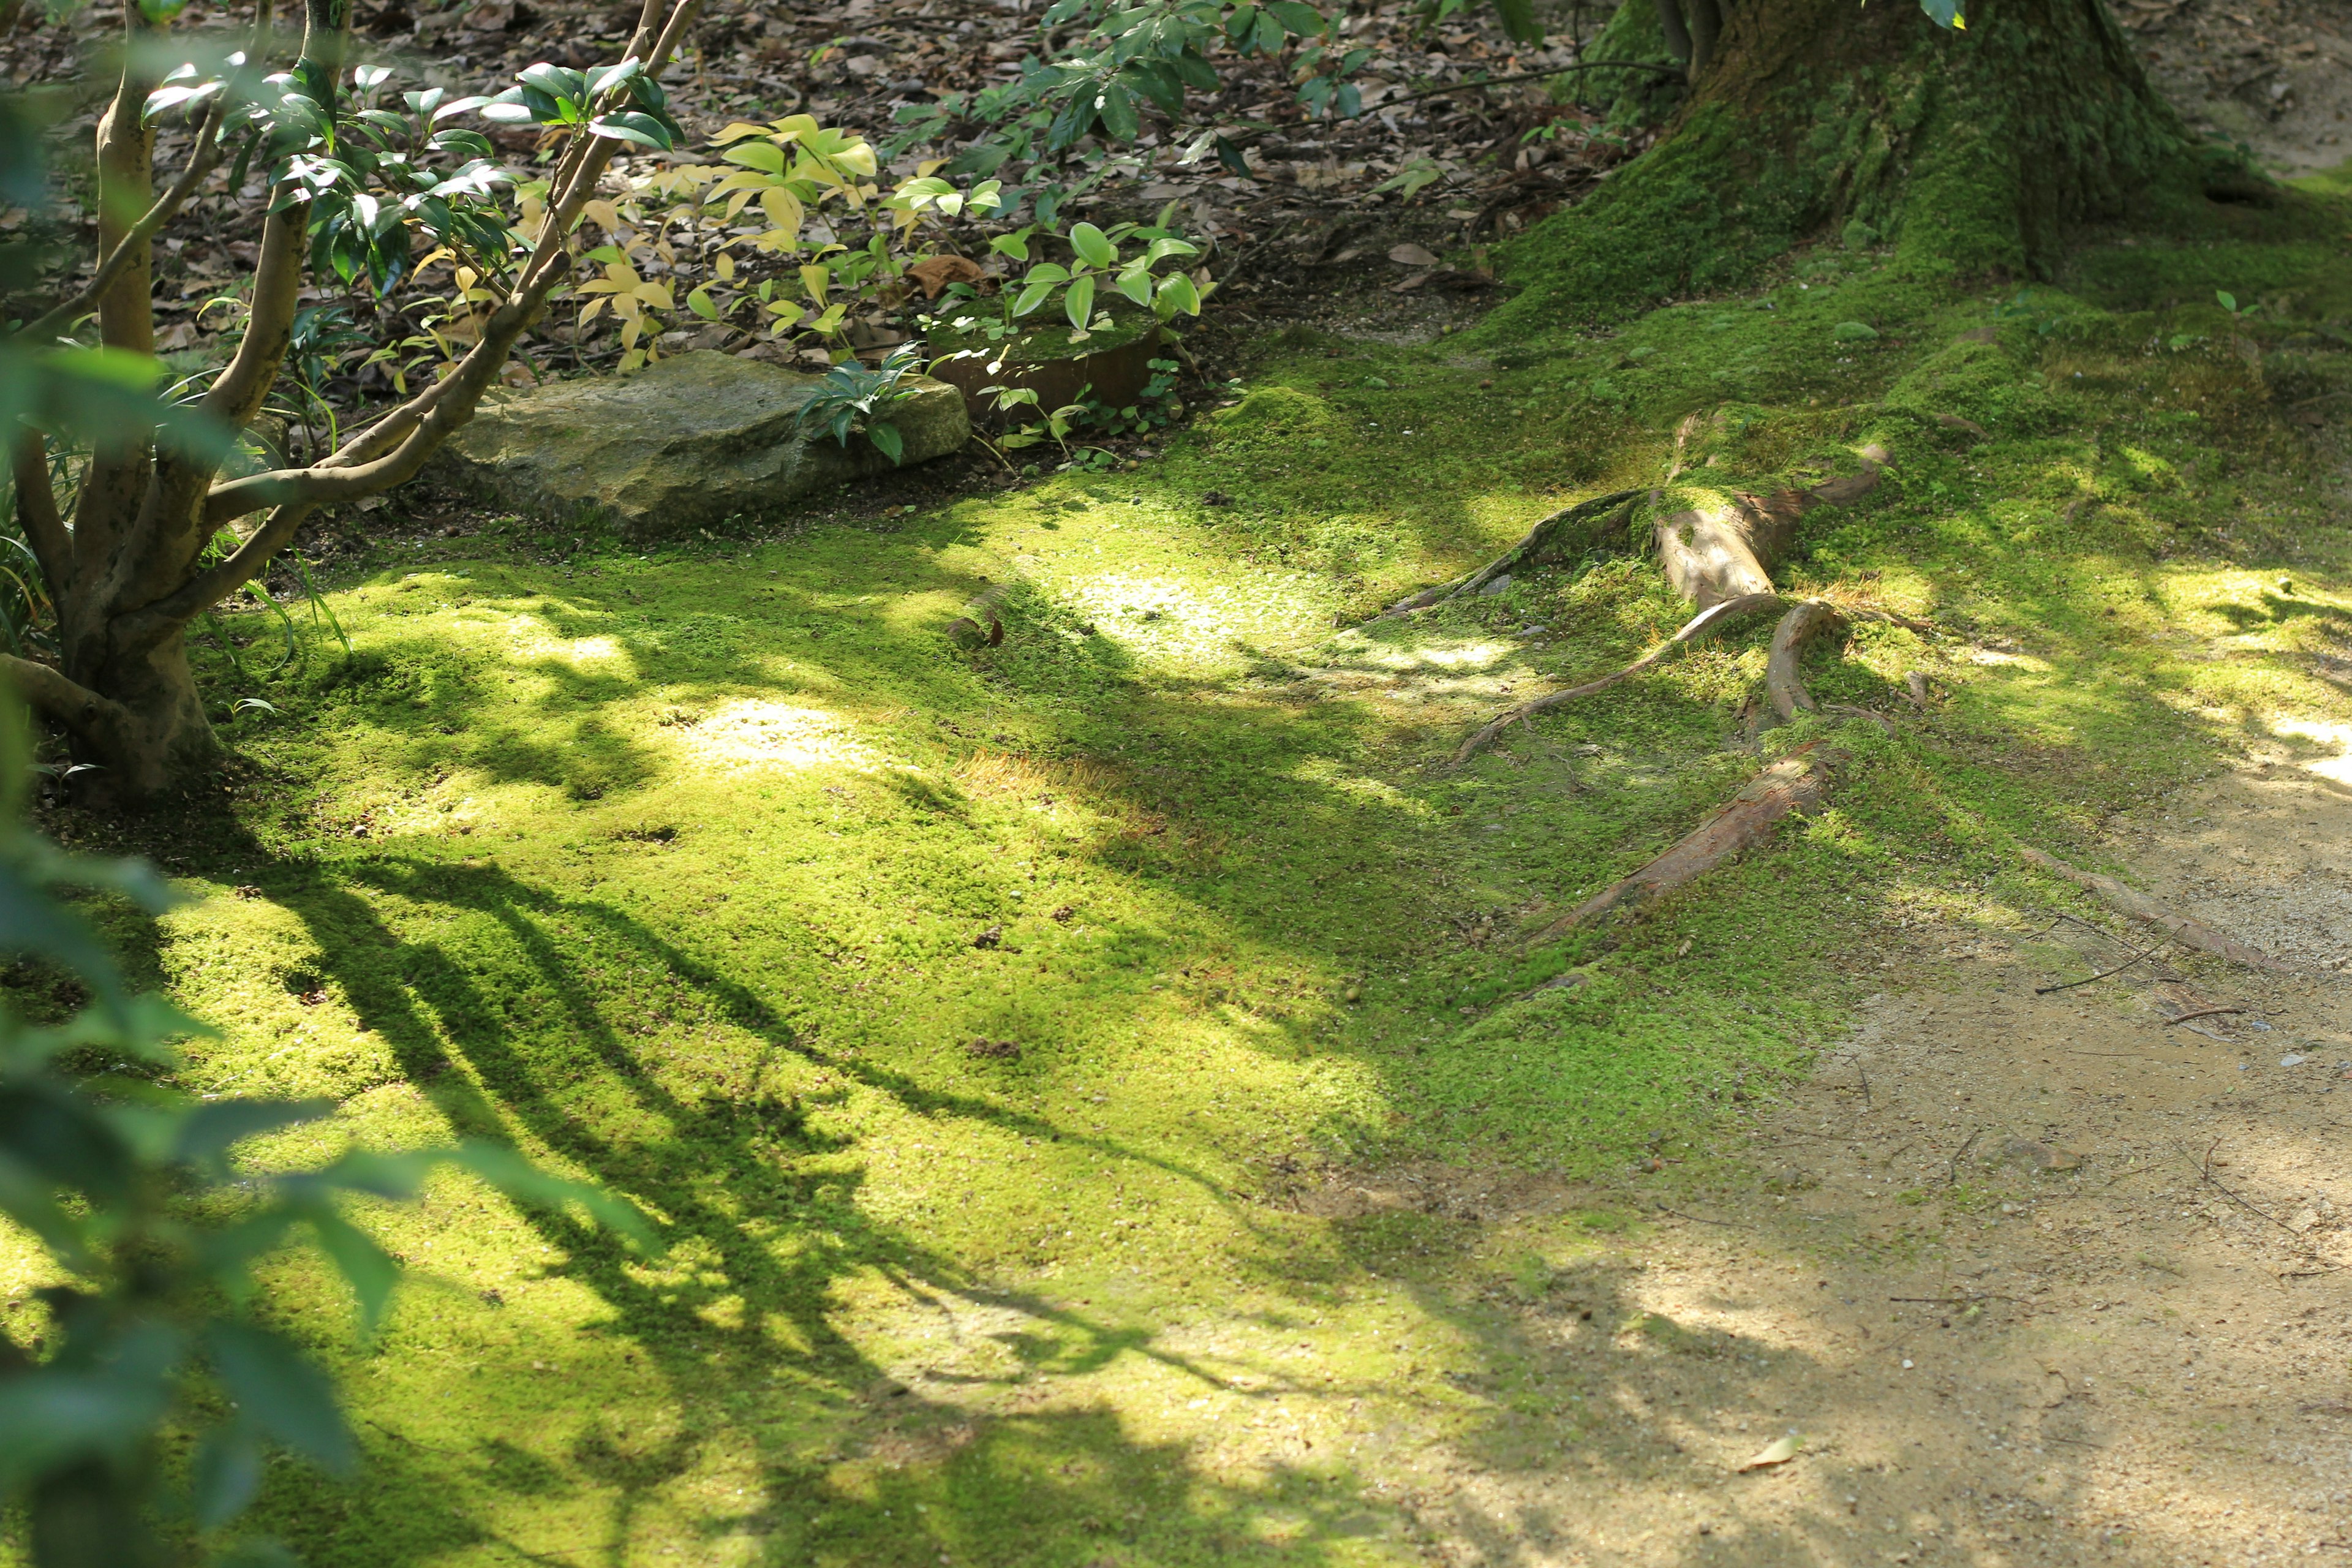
(1575, 528)
(2140, 907)
(1698, 626)
(980, 625)
(1798, 783)
(1783, 683)
(1727, 550)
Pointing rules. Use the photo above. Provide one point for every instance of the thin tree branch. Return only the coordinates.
(679, 20)
(238, 393)
(240, 567)
(36, 510)
(118, 260)
(126, 171)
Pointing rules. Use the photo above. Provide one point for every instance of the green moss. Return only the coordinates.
(698, 872)
(1972, 155)
(1630, 99)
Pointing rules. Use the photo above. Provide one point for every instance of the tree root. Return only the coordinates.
(1583, 523)
(1727, 550)
(1783, 683)
(1698, 626)
(2140, 907)
(1798, 783)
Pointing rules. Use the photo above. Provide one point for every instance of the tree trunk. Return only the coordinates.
(129, 573)
(1971, 151)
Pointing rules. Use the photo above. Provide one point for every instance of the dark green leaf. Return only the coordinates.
(372, 1272)
(1300, 20)
(285, 1397)
(642, 129)
(226, 1474)
(1117, 107)
(1518, 19)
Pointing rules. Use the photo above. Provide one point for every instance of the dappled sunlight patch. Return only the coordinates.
(1195, 623)
(756, 734)
(529, 637)
(2338, 768)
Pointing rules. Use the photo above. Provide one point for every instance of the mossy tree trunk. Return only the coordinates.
(1971, 151)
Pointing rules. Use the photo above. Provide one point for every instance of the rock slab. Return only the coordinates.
(688, 442)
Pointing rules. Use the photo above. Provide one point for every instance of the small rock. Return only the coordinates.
(682, 444)
(2291, 1061)
(992, 937)
(1498, 583)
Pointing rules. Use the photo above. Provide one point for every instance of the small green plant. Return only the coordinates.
(2228, 302)
(1095, 260)
(853, 400)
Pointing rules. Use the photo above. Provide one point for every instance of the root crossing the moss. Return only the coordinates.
(1798, 782)
(1698, 626)
(1569, 531)
(2125, 901)
(1783, 682)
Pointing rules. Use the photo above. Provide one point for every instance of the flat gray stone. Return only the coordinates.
(688, 442)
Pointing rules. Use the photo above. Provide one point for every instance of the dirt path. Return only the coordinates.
(2031, 1277)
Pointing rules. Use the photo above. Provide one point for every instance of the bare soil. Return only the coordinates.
(2031, 1277)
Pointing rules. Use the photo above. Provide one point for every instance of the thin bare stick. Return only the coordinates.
(2186, 932)
(1650, 66)
(1952, 1175)
(2136, 957)
(2205, 1173)
(2201, 1013)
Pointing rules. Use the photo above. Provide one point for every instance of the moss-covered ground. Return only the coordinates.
(701, 872)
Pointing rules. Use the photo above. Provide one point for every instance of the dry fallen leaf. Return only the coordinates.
(1778, 1451)
(1411, 255)
(936, 272)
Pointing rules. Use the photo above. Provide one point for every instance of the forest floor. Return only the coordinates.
(1102, 1098)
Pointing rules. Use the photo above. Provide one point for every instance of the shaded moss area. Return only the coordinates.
(702, 872)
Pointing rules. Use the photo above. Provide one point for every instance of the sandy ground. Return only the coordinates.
(2274, 74)
(2032, 1278)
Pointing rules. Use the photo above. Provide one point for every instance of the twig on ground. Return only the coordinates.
(2138, 906)
(1952, 1177)
(2205, 1174)
(2201, 1013)
(2136, 957)
(1949, 1300)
